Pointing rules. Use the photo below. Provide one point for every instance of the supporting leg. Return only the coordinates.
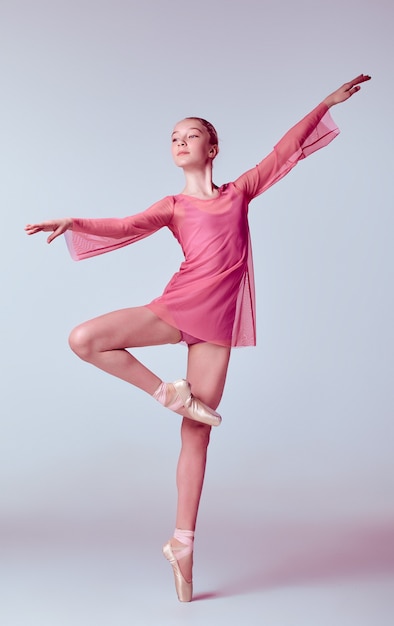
(207, 369)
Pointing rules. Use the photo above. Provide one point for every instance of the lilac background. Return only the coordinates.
(296, 524)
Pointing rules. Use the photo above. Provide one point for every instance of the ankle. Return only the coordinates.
(182, 543)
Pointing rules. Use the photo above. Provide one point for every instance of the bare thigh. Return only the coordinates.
(126, 328)
(207, 370)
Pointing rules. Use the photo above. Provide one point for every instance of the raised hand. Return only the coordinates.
(346, 91)
(58, 227)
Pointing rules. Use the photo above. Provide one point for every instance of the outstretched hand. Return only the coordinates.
(346, 91)
(58, 227)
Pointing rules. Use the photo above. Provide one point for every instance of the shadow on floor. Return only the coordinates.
(299, 554)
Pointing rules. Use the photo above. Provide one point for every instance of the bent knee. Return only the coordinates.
(81, 342)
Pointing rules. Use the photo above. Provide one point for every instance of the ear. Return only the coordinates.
(213, 151)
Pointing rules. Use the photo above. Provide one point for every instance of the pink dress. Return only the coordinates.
(212, 296)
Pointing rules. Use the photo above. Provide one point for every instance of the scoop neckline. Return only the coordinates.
(186, 195)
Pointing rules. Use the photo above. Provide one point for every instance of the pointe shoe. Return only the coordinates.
(195, 409)
(183, 588)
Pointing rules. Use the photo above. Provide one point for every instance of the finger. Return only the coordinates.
(358, 79)
(32, 230)
(363, 77)
(59, 231)
(354, 90)
(36, 227)
(52, 236)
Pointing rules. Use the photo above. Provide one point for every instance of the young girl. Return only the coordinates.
(208, 304)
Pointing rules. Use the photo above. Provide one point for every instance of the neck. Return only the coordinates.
(199, 183)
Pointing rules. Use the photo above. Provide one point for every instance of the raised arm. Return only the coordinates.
(314, 131)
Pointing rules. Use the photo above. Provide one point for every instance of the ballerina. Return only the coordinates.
(209, 304)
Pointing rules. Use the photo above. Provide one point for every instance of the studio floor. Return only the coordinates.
(277, 573)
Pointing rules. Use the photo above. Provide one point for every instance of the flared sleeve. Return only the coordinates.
(314, 131)
(91, 237)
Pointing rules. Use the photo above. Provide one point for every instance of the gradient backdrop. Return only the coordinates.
(296, 524)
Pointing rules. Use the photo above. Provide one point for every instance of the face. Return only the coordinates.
(190, 144)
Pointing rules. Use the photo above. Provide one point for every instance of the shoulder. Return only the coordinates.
(156, 215)
(164, 206)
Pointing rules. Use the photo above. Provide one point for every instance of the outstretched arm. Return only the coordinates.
(89, 237)
(346, 91)
(313, 132)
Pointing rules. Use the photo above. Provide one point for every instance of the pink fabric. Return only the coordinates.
(212, 295)
(189, 339)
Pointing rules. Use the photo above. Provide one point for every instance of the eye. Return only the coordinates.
(193, 136)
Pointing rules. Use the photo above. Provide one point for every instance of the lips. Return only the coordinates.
(182, 152)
